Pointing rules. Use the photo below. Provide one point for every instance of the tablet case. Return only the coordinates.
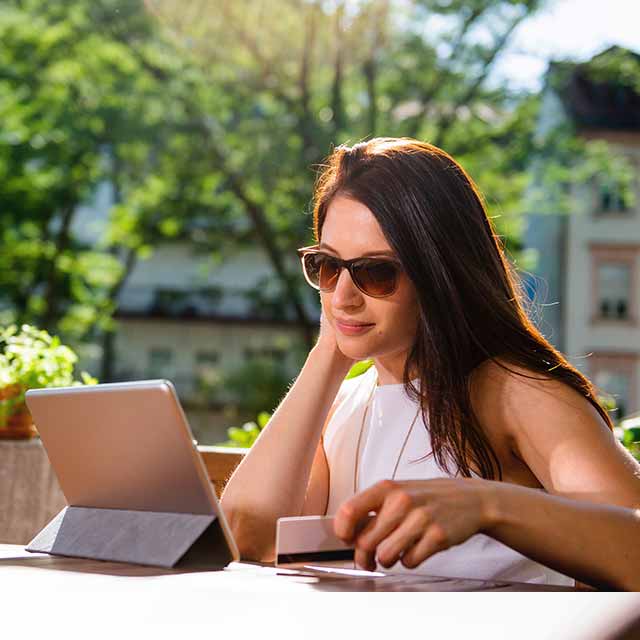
(141, 537)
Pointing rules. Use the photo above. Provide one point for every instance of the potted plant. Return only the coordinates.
(31, 359)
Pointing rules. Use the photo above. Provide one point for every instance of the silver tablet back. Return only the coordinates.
(122, 446)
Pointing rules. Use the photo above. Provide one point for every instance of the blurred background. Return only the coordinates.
(157, 161)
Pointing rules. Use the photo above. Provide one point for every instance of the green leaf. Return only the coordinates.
(358, 369)
(263, 419)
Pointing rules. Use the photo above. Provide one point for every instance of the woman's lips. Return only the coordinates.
(353, 330)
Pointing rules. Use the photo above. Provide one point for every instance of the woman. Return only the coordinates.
(481, 450)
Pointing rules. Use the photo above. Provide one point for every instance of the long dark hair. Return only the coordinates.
(471, 307)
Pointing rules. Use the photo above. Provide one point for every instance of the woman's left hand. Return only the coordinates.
(414, 519)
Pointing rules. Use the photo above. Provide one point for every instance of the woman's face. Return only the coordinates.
(350, 231)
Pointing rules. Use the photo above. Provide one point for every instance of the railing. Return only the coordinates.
(221, 463)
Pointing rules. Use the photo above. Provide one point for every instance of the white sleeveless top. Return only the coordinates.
(390, 416)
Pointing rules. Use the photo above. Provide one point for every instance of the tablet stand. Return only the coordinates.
(140, 537)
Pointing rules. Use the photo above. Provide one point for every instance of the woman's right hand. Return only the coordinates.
(327, 342)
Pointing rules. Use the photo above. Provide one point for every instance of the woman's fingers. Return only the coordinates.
(404, 537)
(433, 541)
(352, 512)
(365, 559)
(394, 510)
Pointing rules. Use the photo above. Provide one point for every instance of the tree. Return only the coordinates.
(300, 77)
(79, 110)
(207, 120)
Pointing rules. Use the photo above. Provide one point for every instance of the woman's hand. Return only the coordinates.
(414, 519)
(327, 342)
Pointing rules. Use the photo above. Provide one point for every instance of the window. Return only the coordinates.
(206, 358)
(206, 370)
(614, 273)
(615, 376)
(159, 359)
(615, 192)
(614, 199)
(273, 353)
(616, 384)
(614, 289)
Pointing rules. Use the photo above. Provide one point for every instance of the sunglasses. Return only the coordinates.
(375, 277)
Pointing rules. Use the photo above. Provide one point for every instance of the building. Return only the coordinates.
(588, 271)
(190, 319)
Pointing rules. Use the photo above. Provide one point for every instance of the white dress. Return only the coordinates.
(388, 421)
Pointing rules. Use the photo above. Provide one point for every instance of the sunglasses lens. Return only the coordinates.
(376, 277)
(322, 271)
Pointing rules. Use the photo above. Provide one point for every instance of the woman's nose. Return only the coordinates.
(346, 294)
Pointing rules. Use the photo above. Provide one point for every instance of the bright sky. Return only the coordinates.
(568, 29)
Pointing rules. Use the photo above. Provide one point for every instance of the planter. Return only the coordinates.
(15, 421)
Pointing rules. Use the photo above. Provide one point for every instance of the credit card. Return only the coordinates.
(307, 539)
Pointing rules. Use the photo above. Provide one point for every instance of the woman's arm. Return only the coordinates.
(593, 543)
(271, 481)
(580, 527)
(563, 440)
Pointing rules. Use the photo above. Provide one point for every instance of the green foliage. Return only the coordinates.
(33, 359)
(208, 119)
(631, 436)
(258, 383)
(64, 136)
(359, 368)
(246, 435)
(567, 165)
(629, 430)
(616, 66)
(205, 124)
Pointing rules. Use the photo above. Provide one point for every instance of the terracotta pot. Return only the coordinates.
(19, 425)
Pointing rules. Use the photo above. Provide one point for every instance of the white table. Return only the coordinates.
(84, 598)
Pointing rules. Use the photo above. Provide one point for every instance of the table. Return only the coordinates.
(85, 595)
(242, 576)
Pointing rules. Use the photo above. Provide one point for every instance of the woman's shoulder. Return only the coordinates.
(509, 397)
(500, 380)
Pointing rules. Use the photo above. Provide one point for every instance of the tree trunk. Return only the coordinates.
(337, 102)
(51, 312)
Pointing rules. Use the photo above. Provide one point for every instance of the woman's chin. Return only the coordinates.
(355, 352)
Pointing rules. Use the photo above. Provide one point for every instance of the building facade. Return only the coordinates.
(195, 320)
(589, 258)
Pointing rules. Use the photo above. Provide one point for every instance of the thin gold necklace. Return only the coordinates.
(404, 444)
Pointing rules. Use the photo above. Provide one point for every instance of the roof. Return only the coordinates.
(603, 93)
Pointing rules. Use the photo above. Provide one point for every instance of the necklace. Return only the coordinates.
(404, 444)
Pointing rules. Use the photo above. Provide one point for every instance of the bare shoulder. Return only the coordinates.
(510, 392)
(556, 431)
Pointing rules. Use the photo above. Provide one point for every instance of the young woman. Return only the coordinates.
(481, 450)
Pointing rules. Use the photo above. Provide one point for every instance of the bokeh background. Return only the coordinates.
(157, 161)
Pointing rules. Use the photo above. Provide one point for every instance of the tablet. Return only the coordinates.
(125, 446)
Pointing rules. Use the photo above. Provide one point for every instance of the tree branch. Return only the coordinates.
(449, 118)
(305, 70)
(439, 80)
(62, 242)
(211, 132)
(370, 65)
(337, 104)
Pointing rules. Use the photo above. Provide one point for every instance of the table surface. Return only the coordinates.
(15, 562)
(70, 594)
